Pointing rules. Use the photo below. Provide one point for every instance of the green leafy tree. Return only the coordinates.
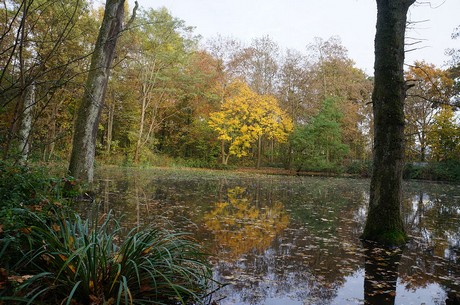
(199, 91)
(160, 56)
(318, 145)
(43, 53)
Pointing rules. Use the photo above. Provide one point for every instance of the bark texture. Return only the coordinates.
(84, 141)
(384, 223)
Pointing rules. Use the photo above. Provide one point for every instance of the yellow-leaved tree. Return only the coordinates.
(444, 136)
(245, 119)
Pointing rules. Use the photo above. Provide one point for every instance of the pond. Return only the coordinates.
(295, 240)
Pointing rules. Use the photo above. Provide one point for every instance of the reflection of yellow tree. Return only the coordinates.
(240, 227)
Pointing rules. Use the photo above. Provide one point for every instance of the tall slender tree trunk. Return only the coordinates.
(272, 150)
(422, 147)
(84, 140)
(222, 151)
(384, 223)
(259, 152)
(140, 133)
(52, 134)
(26, 122)
(21, 37)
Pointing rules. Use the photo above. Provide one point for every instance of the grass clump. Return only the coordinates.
(69, 260)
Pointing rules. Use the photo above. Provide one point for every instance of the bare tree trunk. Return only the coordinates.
(52, 135)
(21, 38)
(84, 141)
(272, 150)
(222, 151)
(384, 223)
(259, 152)
(26, 122)
(141, 128)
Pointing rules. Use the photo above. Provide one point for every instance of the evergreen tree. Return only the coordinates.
(318, 145)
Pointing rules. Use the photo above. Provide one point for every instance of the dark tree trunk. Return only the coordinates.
(89, 112)
(384, 223)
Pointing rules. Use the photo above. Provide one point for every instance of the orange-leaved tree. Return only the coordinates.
(431, 87)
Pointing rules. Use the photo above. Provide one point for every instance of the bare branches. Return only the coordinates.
(133, 16)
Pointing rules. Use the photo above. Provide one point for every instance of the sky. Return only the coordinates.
(294, 24)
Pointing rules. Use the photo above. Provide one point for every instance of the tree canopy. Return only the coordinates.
(170, 95)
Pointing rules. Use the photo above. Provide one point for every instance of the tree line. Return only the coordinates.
(174, 96)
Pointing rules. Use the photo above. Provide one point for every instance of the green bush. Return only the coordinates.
(360, 168)
(436, 171)
(22, 186)
(412, 171)
(72, 261)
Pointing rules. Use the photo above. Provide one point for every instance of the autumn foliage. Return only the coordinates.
(245, 117)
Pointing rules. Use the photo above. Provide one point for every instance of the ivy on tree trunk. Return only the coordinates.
(384, 223)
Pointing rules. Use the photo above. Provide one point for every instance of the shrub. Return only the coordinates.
(438, 171)
(360, 168)
(73, 261)
(22, 186)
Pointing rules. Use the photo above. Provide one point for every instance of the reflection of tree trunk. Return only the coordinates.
(381, 275)
(222, 191)
(257, 194)
(420, 210)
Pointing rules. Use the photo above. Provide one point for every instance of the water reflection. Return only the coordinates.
(381, 274)
(240, 226)
(295, 240)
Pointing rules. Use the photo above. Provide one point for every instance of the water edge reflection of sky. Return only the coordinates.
(294, 240)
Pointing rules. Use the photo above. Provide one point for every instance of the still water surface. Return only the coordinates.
(295, 240)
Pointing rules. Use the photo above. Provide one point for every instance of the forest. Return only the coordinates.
(176, 99)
